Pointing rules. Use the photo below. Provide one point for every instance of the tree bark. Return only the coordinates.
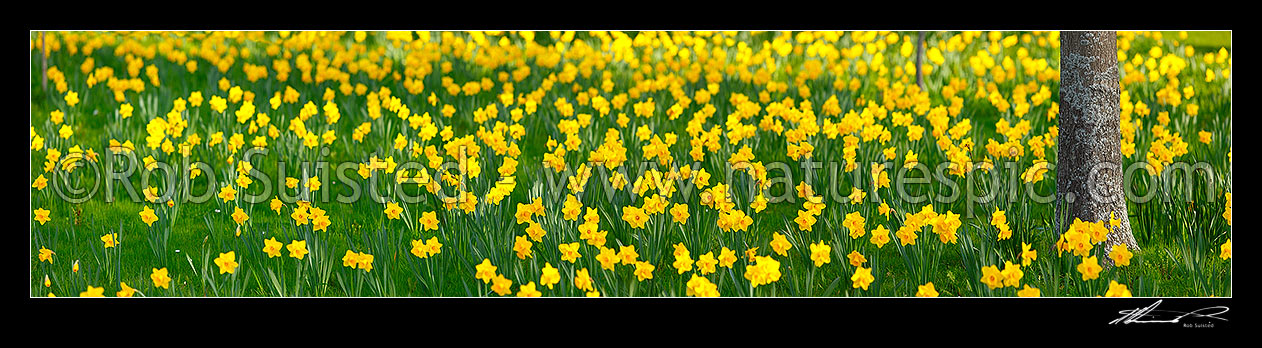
(43, 47)
(920, 53)
(1089, 175)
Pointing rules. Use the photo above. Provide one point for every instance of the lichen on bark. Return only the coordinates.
(1089, 175)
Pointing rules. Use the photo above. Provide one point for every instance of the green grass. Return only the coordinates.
(1204, 41)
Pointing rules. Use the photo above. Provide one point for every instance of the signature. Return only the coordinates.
(1151, 314)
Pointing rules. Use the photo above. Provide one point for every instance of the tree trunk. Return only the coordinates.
(920, 53)
(43, 47)
(1089, 175)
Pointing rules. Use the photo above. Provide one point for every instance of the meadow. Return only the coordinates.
(610, 164)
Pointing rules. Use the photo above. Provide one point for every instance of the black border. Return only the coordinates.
(970, 318)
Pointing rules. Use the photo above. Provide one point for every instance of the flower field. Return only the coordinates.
(666, 164)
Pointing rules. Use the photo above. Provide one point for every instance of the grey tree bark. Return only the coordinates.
(43, 47)
(920, 53)
(1089, 175)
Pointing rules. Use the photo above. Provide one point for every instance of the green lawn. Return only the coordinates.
(1204, 41)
